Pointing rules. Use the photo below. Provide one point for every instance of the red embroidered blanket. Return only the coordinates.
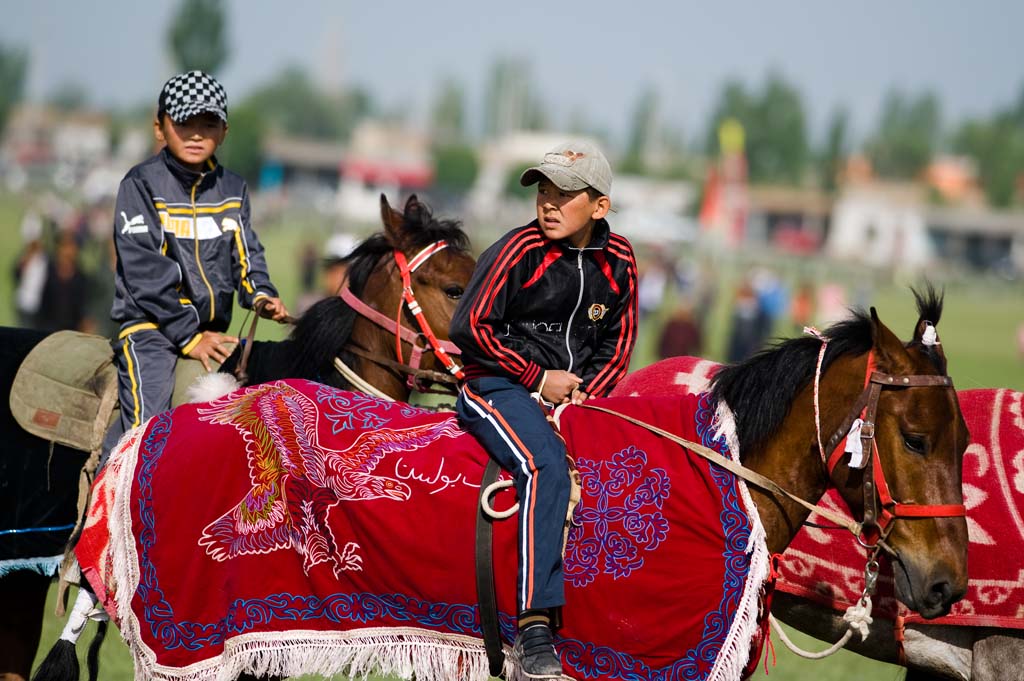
(827, 566)
(293, 528)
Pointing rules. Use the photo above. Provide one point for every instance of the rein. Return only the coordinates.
(741, 471)
(241, 371)
(443, 350)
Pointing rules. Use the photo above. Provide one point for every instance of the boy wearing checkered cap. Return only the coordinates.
(549, 317)
(185, 245)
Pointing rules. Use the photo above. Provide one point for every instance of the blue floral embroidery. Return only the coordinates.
(356, 411)
(615, 526)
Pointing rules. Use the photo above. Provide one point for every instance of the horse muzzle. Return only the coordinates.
(930, 590)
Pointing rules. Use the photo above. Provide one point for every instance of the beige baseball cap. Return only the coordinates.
(572, 166)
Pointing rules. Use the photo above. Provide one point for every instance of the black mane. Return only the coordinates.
(760, 390)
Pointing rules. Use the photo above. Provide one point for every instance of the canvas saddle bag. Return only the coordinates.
(65, 390)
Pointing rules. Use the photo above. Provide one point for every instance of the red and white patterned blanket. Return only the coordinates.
(827, 566)
(293, 528)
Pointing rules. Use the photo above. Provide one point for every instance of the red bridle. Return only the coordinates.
(876, 489)
(443, 350)
(409, 297)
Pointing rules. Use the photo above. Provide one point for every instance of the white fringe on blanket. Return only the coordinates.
(735, 653)
(403, 652)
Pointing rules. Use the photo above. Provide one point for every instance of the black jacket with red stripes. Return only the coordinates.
(535, 304)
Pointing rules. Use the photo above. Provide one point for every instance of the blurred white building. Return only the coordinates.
(647, 209)
(880, 226)
(382, 158)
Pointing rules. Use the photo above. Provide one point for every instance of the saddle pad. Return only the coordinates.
(294, 528)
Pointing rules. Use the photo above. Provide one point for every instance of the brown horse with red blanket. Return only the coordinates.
(820, 576)
(296, 557)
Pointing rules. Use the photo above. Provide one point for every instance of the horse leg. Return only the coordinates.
(23, 595)
(938, 652)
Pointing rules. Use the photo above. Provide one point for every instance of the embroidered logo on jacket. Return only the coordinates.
(137, 225)
(596, 312)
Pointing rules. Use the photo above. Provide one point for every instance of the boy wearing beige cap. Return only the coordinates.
(549, 317)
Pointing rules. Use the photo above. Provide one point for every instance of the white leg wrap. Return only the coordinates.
(79, 616)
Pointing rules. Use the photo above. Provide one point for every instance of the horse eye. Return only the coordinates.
(914, 443)
(454, 291)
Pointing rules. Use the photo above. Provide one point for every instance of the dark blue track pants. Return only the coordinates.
(512, 427)
(145, 371)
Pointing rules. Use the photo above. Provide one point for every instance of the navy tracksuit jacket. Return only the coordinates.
(184, 246)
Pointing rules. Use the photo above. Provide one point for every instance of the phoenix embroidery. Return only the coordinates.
(295, 481)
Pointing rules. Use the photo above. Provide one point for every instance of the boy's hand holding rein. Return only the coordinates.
(272, 308)
(559, 386)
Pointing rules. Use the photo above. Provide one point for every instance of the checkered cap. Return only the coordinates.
(189, 94)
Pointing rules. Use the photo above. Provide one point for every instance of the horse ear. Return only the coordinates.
(889, 349)
(414, 210)
(926, 337)
(393, 221)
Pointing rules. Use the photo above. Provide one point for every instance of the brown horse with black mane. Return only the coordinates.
(783, 413)
(906, 484)
(387, 330)
(35, 522)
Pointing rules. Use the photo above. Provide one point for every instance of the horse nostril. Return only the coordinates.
(941, 594)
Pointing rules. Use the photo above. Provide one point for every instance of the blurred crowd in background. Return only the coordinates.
(807, 224)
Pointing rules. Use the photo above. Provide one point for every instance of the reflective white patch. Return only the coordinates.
(853, 445)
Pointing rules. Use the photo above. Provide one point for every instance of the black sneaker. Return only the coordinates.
(535, 653)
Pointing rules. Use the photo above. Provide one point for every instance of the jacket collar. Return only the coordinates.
(598, 240)
(186, 176)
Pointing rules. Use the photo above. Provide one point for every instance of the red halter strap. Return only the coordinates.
(409, 298)
(876, 489)
(442, 349)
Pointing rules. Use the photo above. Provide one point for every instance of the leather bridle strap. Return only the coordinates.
(880, 509)
(242, 369)
(388, 324)
(406, 269)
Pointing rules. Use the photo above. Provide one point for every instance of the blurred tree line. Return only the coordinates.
(907, 135)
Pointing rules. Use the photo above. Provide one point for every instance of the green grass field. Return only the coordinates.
(977, 331)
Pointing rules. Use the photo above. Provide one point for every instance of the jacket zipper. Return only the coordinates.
(195, 238)
(568, 330)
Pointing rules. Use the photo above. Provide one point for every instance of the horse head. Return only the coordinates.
(804, 408)
(414, 273)
(441, 278)
(913, 496)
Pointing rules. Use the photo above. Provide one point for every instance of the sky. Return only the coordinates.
(592, 58)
